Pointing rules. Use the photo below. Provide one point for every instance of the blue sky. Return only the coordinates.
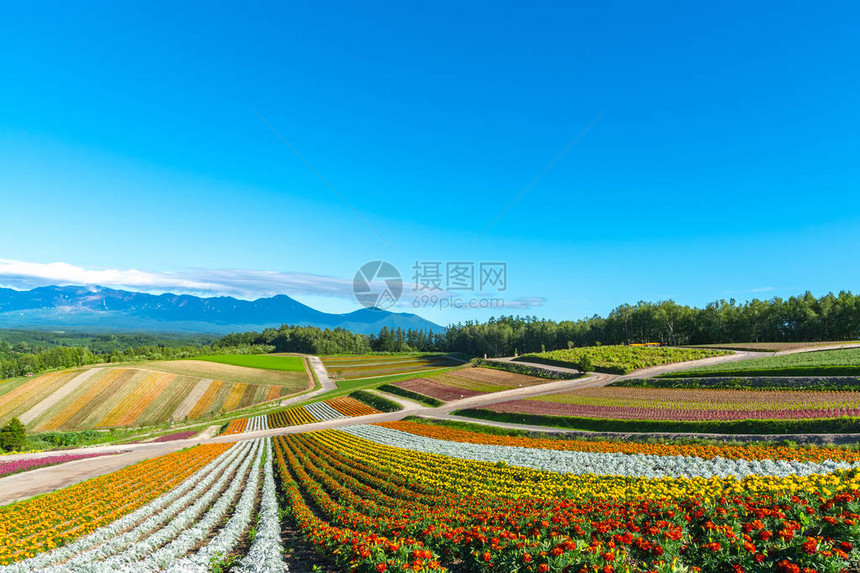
(725, 163)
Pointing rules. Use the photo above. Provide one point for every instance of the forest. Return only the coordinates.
(800, 318)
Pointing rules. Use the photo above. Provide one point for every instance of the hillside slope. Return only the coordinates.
(142, 395)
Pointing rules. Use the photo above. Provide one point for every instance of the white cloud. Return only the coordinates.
(525, 302)
(241, 283)
(761, 289)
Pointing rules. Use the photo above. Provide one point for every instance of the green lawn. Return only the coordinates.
(265, 361)
(620, 359)
(820, 363)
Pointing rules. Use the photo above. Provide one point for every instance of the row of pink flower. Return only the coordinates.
(177, 436)
(639, 413)
(16, 466)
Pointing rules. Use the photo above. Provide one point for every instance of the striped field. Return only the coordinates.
(106, 397)
(375, 366)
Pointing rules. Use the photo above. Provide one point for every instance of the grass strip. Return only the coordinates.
(844, 425)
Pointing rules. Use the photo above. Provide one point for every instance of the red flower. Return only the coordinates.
(787, 567)
(527, 558)
(810, 546)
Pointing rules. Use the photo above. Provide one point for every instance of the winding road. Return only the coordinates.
(27, 484)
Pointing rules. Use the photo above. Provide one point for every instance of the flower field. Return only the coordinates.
(621, 359)
(356, 367)
(814, 383)
(465, 382)
(730, 452)
(333, 409)
(688, 404)
(57, 518)
(203, 516)
(117, 397)
(422, 509)
(420, 497)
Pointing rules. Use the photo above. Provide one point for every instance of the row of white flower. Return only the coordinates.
(185, 536)
(322, 411)
(118, 534)
(257, 423)
(639, 465)
(267, 552)
(129, 558)
(228, 537)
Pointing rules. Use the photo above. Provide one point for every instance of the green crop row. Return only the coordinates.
(381, 403)
(810, 426)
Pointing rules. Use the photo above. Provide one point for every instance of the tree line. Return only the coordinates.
(803, 318)
(796, 319)
(313, 340)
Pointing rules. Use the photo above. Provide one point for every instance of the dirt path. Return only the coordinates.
(326, 383)
(817, 348)
(653, 370)
(35, 482)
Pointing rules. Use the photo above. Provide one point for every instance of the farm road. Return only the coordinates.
(326, 383)
(28, 484)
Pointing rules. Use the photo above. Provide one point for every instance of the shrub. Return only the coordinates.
(391, 389)
(381, 403)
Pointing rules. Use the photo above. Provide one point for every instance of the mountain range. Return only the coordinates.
(100, 308)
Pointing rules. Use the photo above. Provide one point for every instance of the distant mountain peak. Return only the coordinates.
(97, 307)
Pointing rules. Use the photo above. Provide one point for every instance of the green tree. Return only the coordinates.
(13, 436)
(585, 364)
